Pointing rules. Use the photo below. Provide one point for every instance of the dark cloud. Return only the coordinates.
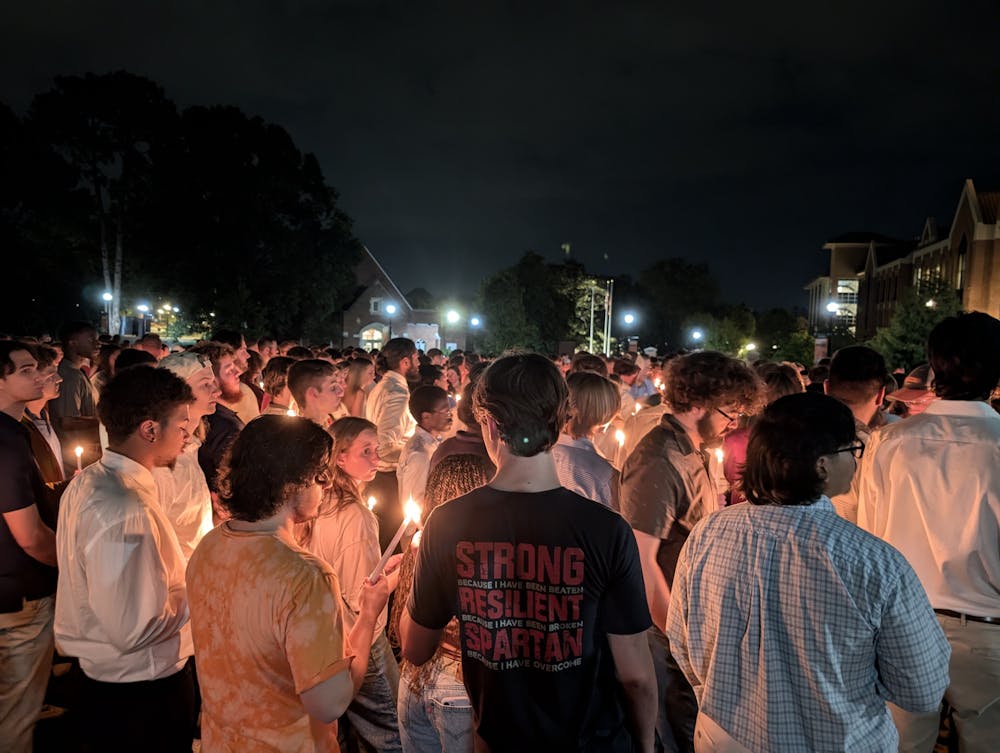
(461, 134)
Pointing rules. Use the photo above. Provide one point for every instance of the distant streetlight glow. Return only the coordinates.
(751, 346)
(629, 318)
(176, 309)
(143, 308)
(452, 316)
(474, 321)
(390, 309)
(931, 303)
(697, 334)
(107, 297)
(832, 307)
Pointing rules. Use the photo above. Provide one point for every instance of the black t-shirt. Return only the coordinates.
(21, 485)
(537, 582)
(223, 428)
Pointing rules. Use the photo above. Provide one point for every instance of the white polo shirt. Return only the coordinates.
(121, 603)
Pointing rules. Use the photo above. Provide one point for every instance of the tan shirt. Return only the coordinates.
(267, 627)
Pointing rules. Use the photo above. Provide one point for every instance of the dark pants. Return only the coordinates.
(388, 509)
(155, 716)
(678, 707)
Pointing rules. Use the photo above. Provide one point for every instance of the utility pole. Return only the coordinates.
(593, 292)
(609, 300)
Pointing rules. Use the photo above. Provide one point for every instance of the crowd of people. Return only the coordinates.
(278, 547)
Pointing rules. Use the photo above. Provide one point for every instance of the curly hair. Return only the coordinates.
(454, 476)
(527, 397)
(139, 394)
(708, 379)
(273, 458)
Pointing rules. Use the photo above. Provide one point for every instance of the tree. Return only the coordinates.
(728, 330)
(784, 336)
(508, 326)
(904, 342)
(672, 290)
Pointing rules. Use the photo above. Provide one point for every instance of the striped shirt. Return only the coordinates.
(583, 471)
(795, 627)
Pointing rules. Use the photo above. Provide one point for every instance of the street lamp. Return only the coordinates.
(697, 335)
(751, 347)
(107, 298)
(474, 321)
(390, 310)
(452, 316)
(629, 318)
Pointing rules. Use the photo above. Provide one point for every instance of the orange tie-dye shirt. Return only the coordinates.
(267, 625)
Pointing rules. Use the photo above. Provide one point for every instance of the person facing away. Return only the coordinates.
(593, 402)
(434, 708)
(666, 488)
(432, 411)
(930, 486)
(546, 584)
(27, 556)
(275, 664)
(121, 603)
(794, 626)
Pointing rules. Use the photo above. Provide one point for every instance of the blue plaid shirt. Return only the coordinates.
(795, 627)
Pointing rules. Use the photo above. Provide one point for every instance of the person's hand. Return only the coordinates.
(392, 564)
(374, 597)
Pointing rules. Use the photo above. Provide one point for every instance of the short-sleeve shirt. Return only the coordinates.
(537, 581)
(21, 485)
(267, 626)
(77, 396)
(666, 489)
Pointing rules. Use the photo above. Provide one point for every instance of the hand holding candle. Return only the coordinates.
(79, 454)
(412, 512)
(371, 503)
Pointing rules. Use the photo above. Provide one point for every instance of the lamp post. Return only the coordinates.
(390, 310)
(107, 298)
(629, 319)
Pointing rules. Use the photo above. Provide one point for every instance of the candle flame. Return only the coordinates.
(620, 438)
(658, 383)
(719, 454)
(78, 451)
(371, 503)
(458, 398)
(416, 539)
(291, 412)
(412, 511)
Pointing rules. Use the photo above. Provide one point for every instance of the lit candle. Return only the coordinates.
(658, 383)
(412, 511)
(415, 543)
(371, 503)
(291, 412)
(719, 455)
(636, 409)
(79, 454)
(458, 398)
(620, 438)
(261, 384)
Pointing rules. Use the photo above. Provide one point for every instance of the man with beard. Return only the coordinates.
(666, 488)
(121, 604)
(388, 408)
(236, 395)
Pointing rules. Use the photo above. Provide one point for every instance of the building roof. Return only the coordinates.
(989, 204)
(863, 238)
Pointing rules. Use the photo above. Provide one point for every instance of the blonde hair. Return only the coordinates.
(593, 401)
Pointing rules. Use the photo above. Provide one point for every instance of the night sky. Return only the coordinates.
(461, 134)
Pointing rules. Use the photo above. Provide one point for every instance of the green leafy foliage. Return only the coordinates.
(904, 342)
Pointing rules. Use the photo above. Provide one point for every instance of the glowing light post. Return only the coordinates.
(412, 511)
(697, 336)
(452, 318)
(390, 310)
(833, 308)
(107, 298)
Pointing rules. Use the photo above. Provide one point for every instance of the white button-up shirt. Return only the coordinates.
(415, 465)
(121, 604)
(930, 486)
(185, 499)
(388, 408)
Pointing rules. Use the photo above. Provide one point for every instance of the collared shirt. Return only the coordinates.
(415, 464)
(666, 488)
(121, 604)
(795, 627)
(930, 486)
(77, 396)
(583, 471)
(387, 407)
(184, 498)
(44, 428)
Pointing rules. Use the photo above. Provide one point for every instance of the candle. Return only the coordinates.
(620, 438)
(719, 455)
(416, 539)
(290, 412)
(412, 511)
(79, 454)
(371, 503)
(458, 398)
(657, 383)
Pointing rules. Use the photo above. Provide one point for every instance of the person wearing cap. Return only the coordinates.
(916, 393)
(931, 487)
(183, 491)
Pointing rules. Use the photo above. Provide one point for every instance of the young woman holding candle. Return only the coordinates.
(345, 535)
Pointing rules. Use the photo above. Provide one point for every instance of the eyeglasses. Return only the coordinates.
(857, 450)
(729, 418)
